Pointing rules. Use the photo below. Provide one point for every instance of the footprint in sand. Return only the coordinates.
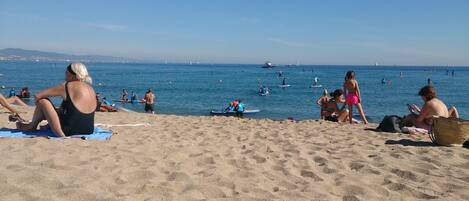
(350, 198)
(178, 176)
(259, 159)
(307, 173)
(355, 165)
(320, 160)
(402, 188)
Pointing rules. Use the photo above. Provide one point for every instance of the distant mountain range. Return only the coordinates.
(17, 54)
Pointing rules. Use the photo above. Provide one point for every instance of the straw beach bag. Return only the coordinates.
(449, 131)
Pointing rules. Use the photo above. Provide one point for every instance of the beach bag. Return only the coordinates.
(391, 124)
(449, 131)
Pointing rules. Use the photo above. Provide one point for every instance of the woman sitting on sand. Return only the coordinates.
(332, 111)
(422, 118)
(76, 114)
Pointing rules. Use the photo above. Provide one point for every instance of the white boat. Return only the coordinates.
(268, 65)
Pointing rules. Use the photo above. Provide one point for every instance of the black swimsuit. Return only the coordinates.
(72, 121)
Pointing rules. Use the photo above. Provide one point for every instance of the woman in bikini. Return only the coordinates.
(76, 114)
(322, 101)
(331, 109)
(352, 96)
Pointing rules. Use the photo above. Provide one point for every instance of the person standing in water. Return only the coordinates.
(149, 101)
(352, 96)
(125, 95)
(283, 82)
(429, 82)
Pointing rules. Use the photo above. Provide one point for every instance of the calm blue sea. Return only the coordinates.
(197, 89)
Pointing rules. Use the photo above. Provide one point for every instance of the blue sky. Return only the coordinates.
(399, 32)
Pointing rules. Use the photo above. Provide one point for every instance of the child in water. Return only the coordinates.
(352, 95)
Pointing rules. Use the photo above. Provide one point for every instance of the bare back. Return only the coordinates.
(149, 98)
(351, 86)
(434, 107)
(83, 96)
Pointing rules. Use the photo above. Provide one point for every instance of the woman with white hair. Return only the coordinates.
(76, 114)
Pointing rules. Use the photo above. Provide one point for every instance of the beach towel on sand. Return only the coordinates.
(98, 134)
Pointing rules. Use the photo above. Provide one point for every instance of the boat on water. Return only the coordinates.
(232, 113)
(268, 64)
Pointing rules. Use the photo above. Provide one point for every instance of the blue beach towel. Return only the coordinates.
(98, 134)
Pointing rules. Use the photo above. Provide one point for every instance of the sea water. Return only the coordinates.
(185, 89)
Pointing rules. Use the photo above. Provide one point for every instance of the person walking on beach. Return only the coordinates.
(352, 96)
(149, 101)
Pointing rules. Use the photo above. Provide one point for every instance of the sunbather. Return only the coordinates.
(422, 118)
(331, 110)
(76, 114)
(6, 102)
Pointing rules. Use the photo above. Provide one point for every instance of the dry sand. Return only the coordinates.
(221, 158)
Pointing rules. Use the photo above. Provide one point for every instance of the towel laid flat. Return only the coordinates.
(98, 134)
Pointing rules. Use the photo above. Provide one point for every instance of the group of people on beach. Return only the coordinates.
(148, 99)
(77, 110)
(80, 101)
(420, 118)
(24, 93)
(329, 105)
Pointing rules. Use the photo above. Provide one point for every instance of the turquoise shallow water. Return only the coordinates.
(196, 89)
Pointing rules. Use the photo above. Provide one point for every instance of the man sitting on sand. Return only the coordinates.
(422, 118)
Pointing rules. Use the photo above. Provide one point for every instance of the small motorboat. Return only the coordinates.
(268, 65)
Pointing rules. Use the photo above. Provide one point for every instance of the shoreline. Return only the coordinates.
(170, 157)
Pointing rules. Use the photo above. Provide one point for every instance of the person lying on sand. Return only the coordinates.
(422, 118)
(76, 114)
(6, 102)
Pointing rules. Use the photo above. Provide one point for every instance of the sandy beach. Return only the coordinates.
(169, 157)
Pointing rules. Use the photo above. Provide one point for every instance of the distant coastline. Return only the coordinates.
(23, 55)
(18, 54)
